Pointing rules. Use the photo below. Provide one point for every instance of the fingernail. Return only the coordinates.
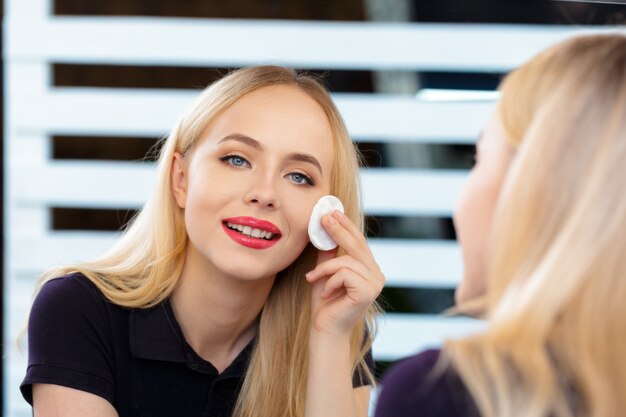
(331, 220)
(309, 274)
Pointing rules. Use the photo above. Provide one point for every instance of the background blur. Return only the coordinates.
(90, 86)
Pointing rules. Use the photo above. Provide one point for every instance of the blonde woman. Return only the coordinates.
(542, 226)
(213, 302)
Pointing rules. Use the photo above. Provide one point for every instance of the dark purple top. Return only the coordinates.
(420, 387)
(137, 359)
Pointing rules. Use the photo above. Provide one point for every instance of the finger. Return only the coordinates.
(331, 266)
(338, 281)
(334, 286)
(347, 282)
(348, 224)
(322, 257)
(354, 244)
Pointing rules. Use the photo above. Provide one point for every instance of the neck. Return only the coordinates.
(218, 312)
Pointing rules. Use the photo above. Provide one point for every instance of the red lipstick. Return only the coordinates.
(252, 223)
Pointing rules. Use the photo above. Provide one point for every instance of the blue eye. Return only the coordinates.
(235, 160)
(300, 179)
(238, 162)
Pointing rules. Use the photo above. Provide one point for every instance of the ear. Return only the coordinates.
(178, 176)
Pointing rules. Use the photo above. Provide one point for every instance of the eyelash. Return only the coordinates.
(308, 181)
(229, 160)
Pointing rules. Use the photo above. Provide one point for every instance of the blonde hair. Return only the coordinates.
(556, 276)
(144, 266)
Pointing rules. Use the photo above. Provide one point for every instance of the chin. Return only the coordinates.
(468, 289)
(249, 274)
(458, 295)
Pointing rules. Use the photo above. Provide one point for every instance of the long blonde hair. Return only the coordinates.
(144, 266)
(556, 276)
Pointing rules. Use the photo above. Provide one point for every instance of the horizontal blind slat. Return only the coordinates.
(355, 45)
(401, 335)
(418, 263)
(369, 117)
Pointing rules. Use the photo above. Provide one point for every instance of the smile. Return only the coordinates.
(248, 231)
(251, 232)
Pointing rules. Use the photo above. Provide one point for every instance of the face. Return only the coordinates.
(250, 183)
(475, 208)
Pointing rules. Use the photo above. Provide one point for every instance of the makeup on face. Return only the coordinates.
(251, 181)
(319, 237)
(252, 232)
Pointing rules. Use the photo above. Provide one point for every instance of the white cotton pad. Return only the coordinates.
(320, 239)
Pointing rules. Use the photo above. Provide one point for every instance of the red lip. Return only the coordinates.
(255, 223)
(249, 241)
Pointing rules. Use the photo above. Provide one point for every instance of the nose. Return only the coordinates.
(263, 194)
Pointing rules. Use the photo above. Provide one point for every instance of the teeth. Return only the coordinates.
(249, 231)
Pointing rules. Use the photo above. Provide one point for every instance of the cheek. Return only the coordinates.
(208, 186)
(299, 214)
(469, 223)
(473, 217)
(474, 210)
(465, 208)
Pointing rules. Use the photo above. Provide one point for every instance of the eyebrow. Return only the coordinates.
(246, 140)
(303, 157)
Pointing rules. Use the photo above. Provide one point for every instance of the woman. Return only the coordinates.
(213, 302)
(541, 223)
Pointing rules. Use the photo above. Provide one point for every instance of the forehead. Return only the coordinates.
(277, 117)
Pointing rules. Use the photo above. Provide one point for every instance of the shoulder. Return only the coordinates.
(412, 376)
(66, 306)
(424, 382)
(418, 365)
(70, 285)
(71, 338)
(67, 293)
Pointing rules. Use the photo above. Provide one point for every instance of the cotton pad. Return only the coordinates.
(320, 239)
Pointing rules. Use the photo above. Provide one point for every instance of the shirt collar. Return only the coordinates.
(156, 335)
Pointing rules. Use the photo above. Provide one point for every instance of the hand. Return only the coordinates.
(343, 287)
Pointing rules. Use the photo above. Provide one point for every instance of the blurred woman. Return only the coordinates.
(541, 223)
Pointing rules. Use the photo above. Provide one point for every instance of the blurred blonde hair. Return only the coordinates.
(556, 283)
(144, 266)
